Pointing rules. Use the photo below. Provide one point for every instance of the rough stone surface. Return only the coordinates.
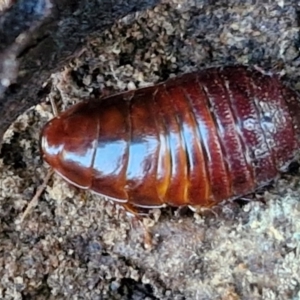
(74, 245)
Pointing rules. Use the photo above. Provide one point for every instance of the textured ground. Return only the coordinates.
(74, 245)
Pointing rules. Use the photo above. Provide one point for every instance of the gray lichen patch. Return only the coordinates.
(76, 245)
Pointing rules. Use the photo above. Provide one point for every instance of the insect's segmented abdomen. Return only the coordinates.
(194, 140)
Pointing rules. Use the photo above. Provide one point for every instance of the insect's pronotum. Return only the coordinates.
(198, 139)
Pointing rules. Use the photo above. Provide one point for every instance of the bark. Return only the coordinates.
(38, 37)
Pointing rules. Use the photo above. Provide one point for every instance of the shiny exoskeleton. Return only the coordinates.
(198, 139)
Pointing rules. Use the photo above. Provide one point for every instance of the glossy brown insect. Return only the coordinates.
(194, 140)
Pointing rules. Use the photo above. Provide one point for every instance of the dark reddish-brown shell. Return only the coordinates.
(197, 139)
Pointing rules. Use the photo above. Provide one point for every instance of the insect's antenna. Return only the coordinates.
(54, 107)
(33, 202)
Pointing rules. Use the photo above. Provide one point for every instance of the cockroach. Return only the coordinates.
(198, 139)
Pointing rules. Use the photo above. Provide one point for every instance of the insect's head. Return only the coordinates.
(67, 144)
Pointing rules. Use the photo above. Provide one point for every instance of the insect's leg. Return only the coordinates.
(137, 224)
(136, 214)
(201, 210)
(83, 195)
(256, 196)
(135, 211)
